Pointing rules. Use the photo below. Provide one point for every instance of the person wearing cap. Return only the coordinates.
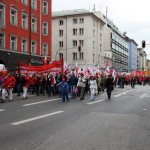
(64, 87)
(81, 85)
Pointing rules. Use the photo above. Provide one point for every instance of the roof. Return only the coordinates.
(73, 12)
(69, 12)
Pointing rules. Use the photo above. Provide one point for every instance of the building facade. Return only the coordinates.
(75, 28)
(133, 55)
(25, 32)
(115, 46)
(143, 59)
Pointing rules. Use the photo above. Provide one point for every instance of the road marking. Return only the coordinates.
(97, 101)
(144, 109)
(144, 95)
(36, 118)
(103, 94)
(51, 100)
(122, 93)
(2, 110)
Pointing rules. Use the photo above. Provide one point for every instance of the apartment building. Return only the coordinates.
(78, 28)
(115, 47)
(25, 32)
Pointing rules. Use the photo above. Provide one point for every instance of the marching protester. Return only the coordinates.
(81, 85)
(93, 87)
(64, 87)
(8, 83)
(18, 83)
(73, 83)
(1, 76)
(102, 83)
(133, 81)
(109, 85)
(25, 80)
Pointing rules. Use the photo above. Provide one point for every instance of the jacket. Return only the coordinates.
(81, 82)
(93, 84)
(64, 87)
(27, 82)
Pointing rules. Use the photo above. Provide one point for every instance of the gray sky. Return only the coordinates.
(132, 16)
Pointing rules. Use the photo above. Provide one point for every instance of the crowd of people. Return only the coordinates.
(62, 85)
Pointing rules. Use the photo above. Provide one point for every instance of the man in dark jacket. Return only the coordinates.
(73, 83)
(109, 86)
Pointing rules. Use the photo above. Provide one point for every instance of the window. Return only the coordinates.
(44, 49)
(61, 22)
(74, 56)
(25, 2)
(93, 57)
(24, 21)
(33, 4)
(81, 31)
(2, 39)
(45, 28)
(75, 21)
(93, 44)
(61, 56)
(61, 44)
(61, 32)
(33, 25)
(45, 7)
(100, 36)
(74, 43)
(33, 47)
(24, 45)
(81, 43)
(13, 17)
(2, 16)
(81, 55)
(13, 43)
(81, 20)
(101, 26)
(93, 22)
(74, 31)
(100, 47)
(93, 33)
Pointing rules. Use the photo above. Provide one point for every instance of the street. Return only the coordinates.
(47, 123)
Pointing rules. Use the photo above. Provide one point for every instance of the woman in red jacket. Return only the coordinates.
(25, 85)
(8, 84)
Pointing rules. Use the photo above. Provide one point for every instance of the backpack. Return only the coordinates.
(23, 80)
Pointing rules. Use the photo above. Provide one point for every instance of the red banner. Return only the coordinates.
(55, 67)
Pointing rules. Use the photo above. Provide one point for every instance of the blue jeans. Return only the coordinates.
(72, 88)
(50, 89)
(64, 96)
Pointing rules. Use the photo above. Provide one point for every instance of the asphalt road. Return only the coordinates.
(46, 123)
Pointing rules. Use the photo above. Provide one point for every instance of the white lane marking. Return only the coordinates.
(41, 102)
(97, 101)
(122, 93)
(144, 95)
(144, 109)
(2, 109)
(36, 118)
(103, 94)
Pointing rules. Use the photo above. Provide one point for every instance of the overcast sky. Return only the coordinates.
(131, 16)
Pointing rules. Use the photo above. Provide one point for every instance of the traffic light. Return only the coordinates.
(79, 48)
(143, 44)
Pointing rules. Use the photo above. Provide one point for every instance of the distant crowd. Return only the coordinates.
(62, 85)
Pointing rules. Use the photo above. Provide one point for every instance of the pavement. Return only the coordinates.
(47, 123)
